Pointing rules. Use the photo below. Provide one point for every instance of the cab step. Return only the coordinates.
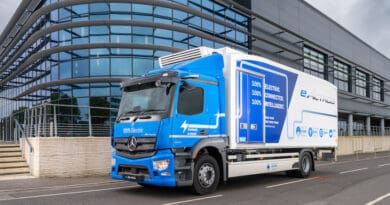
(183, 168)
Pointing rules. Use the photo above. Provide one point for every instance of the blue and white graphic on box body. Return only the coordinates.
(277, 106)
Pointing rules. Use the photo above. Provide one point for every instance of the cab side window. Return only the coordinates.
(191, 101)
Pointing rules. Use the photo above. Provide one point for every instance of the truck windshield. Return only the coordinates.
(146, 98)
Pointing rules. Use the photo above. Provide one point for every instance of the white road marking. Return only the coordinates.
(354, 170)
(378, 199)
(383, 165)
(69, 193)
(63, 186)
(350, 161)
(292, 182)
(192, 200)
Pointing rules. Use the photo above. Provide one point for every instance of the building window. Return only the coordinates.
(361, 83)
(314, 62)
(343, 124)
(341, 76)
(377, 89)
(359, 126)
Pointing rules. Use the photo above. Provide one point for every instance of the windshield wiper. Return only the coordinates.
(128, 113)
(143, 112)
(139, 113)
(151, 110)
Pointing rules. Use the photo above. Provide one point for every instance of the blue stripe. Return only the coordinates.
(313, 112)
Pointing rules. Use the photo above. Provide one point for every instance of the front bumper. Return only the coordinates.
(141, 170)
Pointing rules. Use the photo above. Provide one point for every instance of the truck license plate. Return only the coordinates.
(131, 177)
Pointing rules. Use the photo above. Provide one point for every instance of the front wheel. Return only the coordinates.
(206, 175)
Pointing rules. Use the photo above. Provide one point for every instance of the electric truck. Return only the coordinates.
(207, 115)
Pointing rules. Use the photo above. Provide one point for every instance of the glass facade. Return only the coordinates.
(341, 76)
(314, 62)
(361, 83)
(359, 125)
(377, 89)
(108, 40)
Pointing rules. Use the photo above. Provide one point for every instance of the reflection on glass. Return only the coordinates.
(81, 68)
(100, 66)
(142, 65)
(121, 66)
(65, 70)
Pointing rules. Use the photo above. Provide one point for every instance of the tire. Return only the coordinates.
(206, 175)
(305, 165)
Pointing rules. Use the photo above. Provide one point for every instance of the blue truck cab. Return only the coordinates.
(164, 119)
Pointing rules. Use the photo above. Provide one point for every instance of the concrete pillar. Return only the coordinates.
(350, 124)
(368, 125)
(353, 80)
(383, 127)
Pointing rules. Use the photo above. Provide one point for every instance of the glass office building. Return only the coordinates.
(76, 52)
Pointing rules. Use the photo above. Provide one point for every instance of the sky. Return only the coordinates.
(7, 9)
(367, 19)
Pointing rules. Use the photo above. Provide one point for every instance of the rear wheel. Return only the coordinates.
(206, 175)
(305, 165)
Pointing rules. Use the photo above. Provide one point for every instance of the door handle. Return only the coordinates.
(203, 132)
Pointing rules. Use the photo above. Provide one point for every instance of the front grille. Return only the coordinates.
(133, 170)
(145, 147)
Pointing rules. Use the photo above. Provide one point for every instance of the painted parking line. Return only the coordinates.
(193, 200)
(354, 170)
(291, 182)
(383, 165)
(378, 199)
(68, 193)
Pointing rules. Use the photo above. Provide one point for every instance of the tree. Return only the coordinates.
(101, 114)
(66, 109)
(19, 113)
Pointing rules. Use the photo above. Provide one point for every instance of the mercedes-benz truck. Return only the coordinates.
(207, 115)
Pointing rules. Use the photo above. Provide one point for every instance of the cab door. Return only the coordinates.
(192, 114)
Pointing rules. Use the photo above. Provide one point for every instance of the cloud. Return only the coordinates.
(7, 9)
(368, 20)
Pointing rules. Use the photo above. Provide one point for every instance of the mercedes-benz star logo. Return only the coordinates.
(132, 144)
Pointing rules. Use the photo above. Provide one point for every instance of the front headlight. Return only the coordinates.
(113, 161)
(161, 165)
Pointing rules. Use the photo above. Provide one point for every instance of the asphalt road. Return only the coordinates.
(349, 181)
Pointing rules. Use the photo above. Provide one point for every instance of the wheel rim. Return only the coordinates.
(206, 175)
(305, 164)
